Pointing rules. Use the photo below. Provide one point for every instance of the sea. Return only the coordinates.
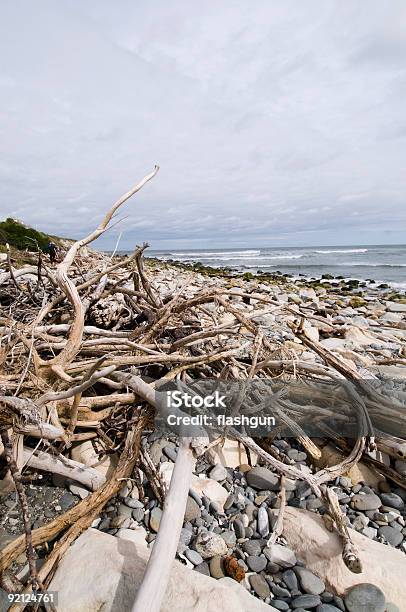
(382, 263)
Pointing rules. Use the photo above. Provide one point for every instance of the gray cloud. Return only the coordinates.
(272, 122)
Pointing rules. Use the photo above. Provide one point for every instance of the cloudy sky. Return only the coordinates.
(274, 123)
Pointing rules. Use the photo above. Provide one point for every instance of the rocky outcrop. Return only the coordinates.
(321, 551)
(102, 573)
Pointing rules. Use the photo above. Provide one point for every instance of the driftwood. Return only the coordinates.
(84, 353)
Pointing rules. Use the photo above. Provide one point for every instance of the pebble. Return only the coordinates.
(203, 568)
(324, 607)
(229, 538)
(309, 582)
(67, 501)
(368, 501)
(193, 556)
(279, 591)
(138, 514)
(155, 519)
(308, 602)
(262, 478)
(81, 492)
(170, 453)
(239, 528)
(364, 596)
(260, 586)
(263, 522)
(279, 604)
(192, 510)
(290, 579)
(392, 500)
(209, 544)
(218, 473)
(392, 535)
(132, 503)
(217, 567)
(282, 555)
(252, 547)
(256, 564)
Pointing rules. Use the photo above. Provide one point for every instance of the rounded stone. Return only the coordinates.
(289, 578)
(252, 547)
(261, 478)
(365, 596)
(202, 568)
(260, 586)
(210, 544)
(309, 582)
(218, 473)
(391, 535)
(392, 500)
(154, 519)
(217, 567)
(280, 605)
(239, 528)
(308, 602)
(192, 510)
(368, 501)
(193, 556)
(256, 564)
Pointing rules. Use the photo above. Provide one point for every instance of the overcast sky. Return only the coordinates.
(274, 122)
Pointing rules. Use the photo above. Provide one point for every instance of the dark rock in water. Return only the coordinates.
(308, 602)
(260, 586)
(262, 478)
(363, 597)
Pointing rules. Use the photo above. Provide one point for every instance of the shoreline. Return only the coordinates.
(146, 323)
(326, 281)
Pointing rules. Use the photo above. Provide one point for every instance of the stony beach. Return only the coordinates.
(235, 496)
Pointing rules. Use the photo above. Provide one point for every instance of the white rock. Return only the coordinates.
(210, 544)
(282, 555)
(202, 486)
(114, 568)
(320, 550)
(263, 522)
(395, 307)
(218, 473)
(231, 454)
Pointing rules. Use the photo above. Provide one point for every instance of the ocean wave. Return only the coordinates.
(207, 254)
(343, 251)
(368, 264)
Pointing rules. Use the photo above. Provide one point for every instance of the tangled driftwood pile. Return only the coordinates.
(85, 344)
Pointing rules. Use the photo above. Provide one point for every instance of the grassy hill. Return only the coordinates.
(23, 238)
